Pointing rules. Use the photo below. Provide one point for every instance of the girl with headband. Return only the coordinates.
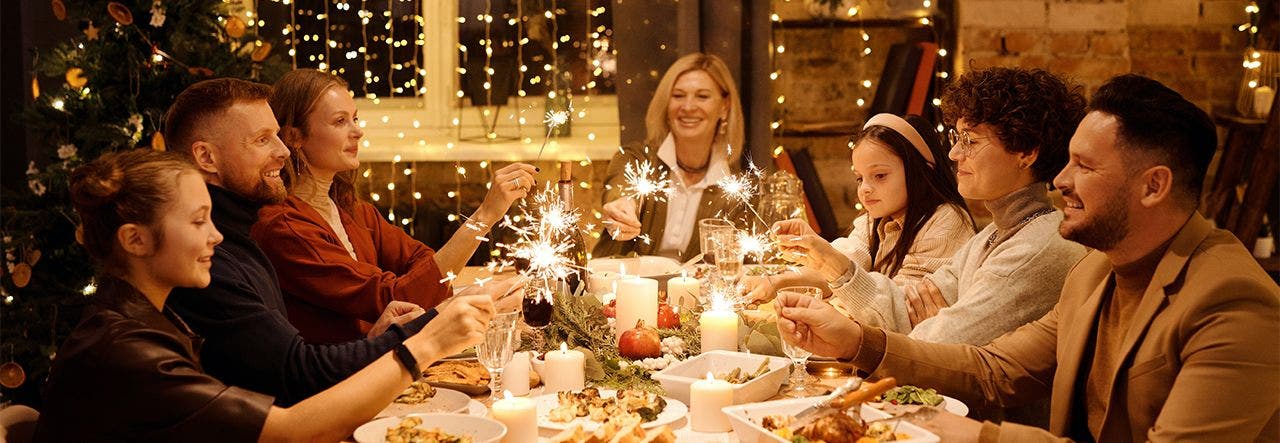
(914, 220)
(1010, 136)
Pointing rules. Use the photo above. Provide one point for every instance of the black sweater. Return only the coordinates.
(241, 315)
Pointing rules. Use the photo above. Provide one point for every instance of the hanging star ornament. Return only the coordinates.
(92, 31)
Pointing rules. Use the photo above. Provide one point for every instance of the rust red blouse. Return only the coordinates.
(331, 297)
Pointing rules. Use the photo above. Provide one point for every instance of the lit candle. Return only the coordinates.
(564, 370)
(683, 291)
(521, 417)
(706, 398)
(637, 300)
(1262, 98)
(602, 283)
(719, 329)
(515, 378)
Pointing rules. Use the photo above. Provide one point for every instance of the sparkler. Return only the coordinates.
(644, 180)
(553, 120)
(542, 238)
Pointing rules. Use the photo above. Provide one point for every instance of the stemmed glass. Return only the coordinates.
(707, 228)
(538, 295)
(799, 382)
(728, 254)
(496, 349)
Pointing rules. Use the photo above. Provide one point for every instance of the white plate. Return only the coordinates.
(949, 404)
(746, 420)
(674, 411)
(445, 401)
(481, 429)
(643, 266)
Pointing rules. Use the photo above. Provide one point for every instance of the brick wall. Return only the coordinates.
(1190, 45)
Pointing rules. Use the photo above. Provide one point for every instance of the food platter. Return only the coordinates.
(674, 411)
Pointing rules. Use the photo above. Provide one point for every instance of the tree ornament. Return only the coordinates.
(157, 141)
(21, 275)
(235, 27)
(59, 9)
(65, 152)
(91, 31)
(261, 52)
(35, 87)
(199, 70)
(157, 15)
(75, 77)
(12, 375)
(120, 13)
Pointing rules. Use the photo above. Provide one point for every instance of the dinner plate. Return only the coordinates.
(480, 429)
(445, 400)
(674, 411)
(949, 404)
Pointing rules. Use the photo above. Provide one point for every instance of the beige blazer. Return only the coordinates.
(1201, 356)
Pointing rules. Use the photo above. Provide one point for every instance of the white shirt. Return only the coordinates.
(683, 201)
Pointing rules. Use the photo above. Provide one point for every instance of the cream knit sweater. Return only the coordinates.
(991, 289)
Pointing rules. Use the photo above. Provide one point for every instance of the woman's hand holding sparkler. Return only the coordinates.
(510, 183)
(620, 219)
(799, 244)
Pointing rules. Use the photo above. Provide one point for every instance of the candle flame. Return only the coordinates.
(564, 347)
(506, 394)
(710, 377)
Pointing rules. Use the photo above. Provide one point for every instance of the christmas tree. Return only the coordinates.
(115, 81)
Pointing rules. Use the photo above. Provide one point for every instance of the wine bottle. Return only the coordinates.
(577, 249)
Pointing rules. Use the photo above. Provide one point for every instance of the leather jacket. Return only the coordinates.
(130, 372)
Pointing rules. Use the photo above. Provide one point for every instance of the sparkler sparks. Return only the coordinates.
(644, 180)
(553, 120)
(542, 236)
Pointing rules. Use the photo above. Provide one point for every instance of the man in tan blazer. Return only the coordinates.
(1167, 331)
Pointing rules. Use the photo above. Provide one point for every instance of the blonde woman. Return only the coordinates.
(694, 133)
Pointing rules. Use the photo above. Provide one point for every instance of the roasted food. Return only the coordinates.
(409, 432)
(628, 405)
(616, 433)
(417, 392)
(458, 372)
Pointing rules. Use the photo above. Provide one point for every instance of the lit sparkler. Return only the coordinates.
(542, 236)
(644, 180)
(553, 120)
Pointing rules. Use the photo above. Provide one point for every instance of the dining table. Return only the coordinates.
(825, 375)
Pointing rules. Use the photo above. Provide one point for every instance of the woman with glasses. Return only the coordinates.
(915, 219)
(1010, 136)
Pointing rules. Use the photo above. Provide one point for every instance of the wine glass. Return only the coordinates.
(728, 254)
(496, 349)
(707, 228)
(799, 384)
(538, 295)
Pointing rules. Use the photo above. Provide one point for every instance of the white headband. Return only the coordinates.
(900, 125)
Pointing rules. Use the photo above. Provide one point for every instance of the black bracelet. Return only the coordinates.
(408, 361)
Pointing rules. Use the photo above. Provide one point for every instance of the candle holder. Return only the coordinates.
(496, 349)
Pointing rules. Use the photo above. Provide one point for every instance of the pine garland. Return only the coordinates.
(579, 321)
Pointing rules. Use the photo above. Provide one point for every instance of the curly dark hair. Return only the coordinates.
(1029, 109)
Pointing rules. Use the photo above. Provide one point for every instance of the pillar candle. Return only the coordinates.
(564, 370)
(637, 300)
(515, 378)
(683, 291)
(1262, 98)
(521, 417)
(602, 283)
(706, 398)
(719, 330)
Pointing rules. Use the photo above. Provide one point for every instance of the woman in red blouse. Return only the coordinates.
(339, 261)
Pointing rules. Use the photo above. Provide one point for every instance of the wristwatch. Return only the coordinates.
(843, 280)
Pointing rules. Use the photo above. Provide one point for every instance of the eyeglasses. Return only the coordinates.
(964, 141)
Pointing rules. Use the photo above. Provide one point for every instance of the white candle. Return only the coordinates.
(1262, 98)
(521, 417)
(515, 378)
(637, 300)
(706, 398)
(564, 370)
(719, 330)
(602, 283)
(683, 291)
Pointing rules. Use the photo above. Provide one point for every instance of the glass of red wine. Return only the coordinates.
(538, 296)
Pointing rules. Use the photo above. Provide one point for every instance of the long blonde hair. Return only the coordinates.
(655, 119)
